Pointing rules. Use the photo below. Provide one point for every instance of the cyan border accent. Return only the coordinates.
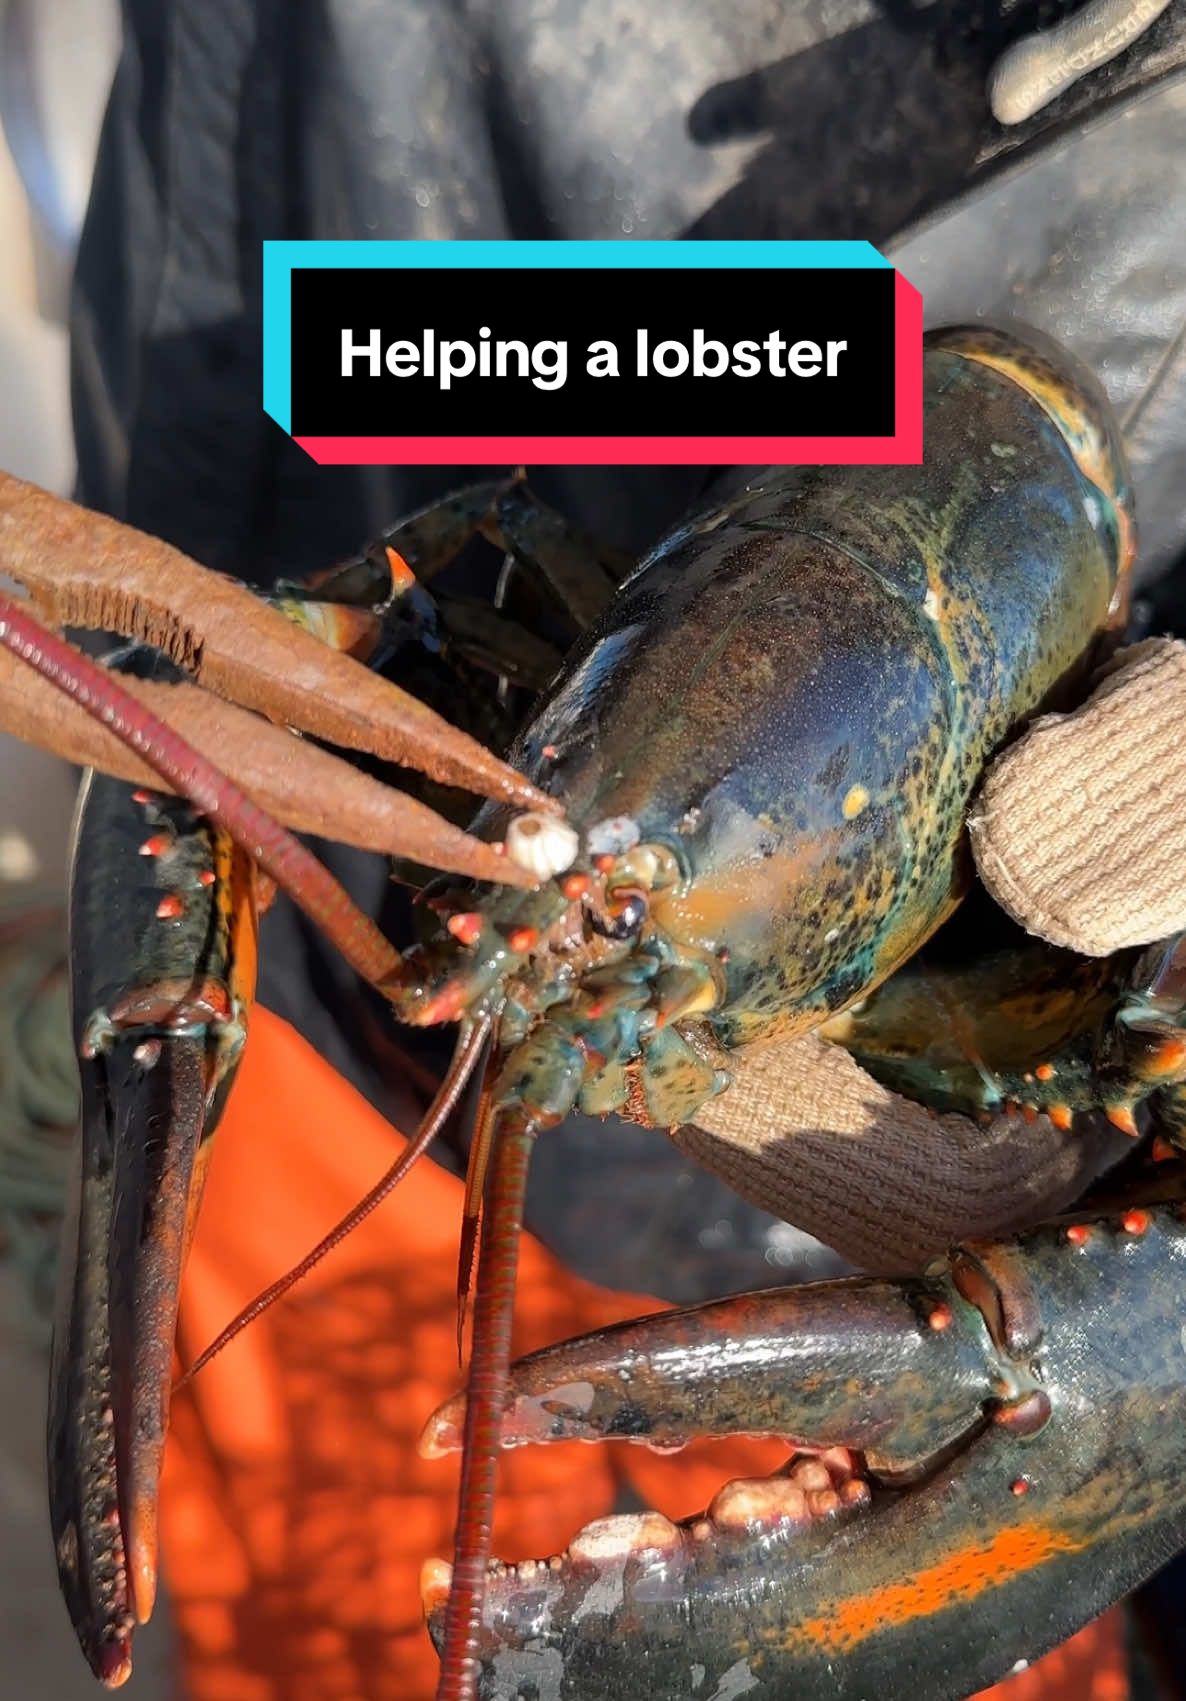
(281, 259)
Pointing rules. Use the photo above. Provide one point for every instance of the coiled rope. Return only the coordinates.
(39, 1099)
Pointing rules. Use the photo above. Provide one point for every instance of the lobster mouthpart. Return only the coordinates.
(984, 1459)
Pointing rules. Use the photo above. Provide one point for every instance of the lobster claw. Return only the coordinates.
(157, 1057)
(985, 1458)
(113, 1342)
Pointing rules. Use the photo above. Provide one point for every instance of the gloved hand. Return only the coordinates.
(1079, 832)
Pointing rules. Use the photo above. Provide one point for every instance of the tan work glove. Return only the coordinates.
(1079, 832)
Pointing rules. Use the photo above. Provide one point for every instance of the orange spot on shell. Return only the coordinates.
(157, 845)
(549, 752)
(206, 877)
(1060, 1115)
(603, 863)
(1078, 1234)
(1019, 1486)
(939, 1317)
(448, 1005)
(1171, 1055)
(1121, 1116)
(1029, 1112)
(523, 939)
(855, 799)
(961, 1576)
(575, 886)
(465, 927)
(1135, 1222)
(1045, 1071)
(1161, 1151)
(170, 907)
(141, 796)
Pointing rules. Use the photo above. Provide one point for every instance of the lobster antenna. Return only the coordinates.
(489, 1367)
(469, 1048)
(294, 869)
(475, 1185)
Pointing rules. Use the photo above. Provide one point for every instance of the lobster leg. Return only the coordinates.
(986, 1458)
(157, 1057)
(972, 1027)
(561, 564)
(442, 645)
(581, 573)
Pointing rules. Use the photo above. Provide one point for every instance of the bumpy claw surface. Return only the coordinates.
(985, 1459)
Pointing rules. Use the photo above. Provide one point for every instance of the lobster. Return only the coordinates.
(746, 794)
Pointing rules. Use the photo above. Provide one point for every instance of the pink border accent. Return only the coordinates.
(904, 448)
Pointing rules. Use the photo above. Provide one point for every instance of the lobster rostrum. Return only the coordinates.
(746, 794)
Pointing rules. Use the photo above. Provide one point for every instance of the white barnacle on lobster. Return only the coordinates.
(613, 836)
(541, 844)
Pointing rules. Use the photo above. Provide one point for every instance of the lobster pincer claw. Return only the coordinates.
(157, 1057)
(984, 1459)
(113, 1343)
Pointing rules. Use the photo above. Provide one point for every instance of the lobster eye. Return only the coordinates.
(624, 916)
